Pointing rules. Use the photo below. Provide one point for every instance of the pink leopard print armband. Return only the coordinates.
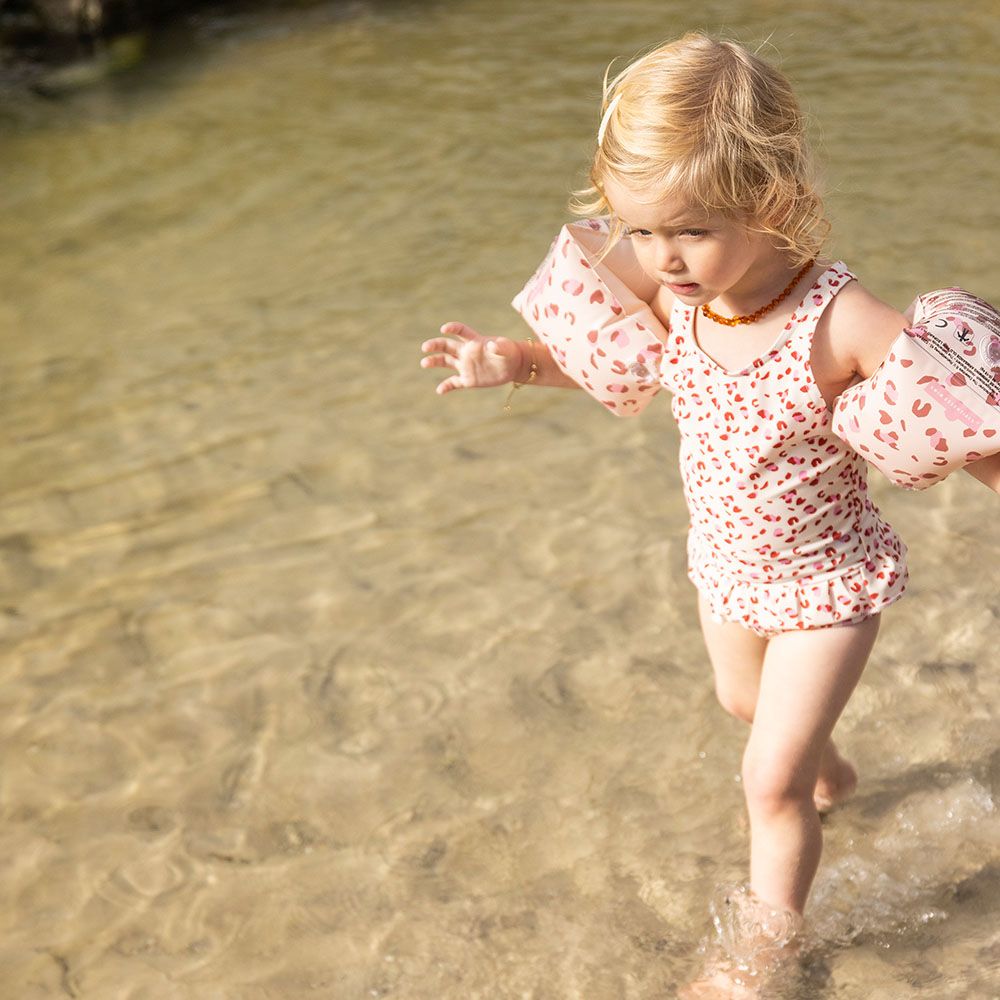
(593, 318)
(933, 405)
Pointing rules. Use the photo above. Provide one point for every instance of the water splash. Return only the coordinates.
(755, 944)
(897, 882)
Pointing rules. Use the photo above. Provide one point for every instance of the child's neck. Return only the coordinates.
(764, 281)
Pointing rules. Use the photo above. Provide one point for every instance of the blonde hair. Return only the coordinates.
(710, 122)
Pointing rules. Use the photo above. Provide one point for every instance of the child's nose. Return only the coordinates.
(666, 257)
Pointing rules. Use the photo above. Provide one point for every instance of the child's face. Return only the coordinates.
(697, 256)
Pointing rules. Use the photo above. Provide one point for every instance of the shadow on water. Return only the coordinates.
(140, 53)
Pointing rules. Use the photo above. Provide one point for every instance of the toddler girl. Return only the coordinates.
(702, 166)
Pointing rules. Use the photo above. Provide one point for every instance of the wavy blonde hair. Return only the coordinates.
(710, 122)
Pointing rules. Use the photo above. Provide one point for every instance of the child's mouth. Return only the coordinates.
(688, 289)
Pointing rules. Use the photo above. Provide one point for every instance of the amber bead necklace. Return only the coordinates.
(763, 310)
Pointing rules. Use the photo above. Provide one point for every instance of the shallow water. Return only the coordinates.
(316, 684)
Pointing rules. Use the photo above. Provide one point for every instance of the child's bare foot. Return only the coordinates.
(837, 782)
(756, 947)
(720, 985)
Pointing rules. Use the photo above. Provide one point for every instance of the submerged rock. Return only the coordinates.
(82, 20)
(115, 56)
(59, 45)
(69, 17)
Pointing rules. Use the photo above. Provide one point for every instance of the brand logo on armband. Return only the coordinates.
(954, 409)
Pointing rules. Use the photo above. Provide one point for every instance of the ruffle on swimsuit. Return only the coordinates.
(833, 599)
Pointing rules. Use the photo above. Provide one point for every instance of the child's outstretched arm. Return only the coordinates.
(483, 362)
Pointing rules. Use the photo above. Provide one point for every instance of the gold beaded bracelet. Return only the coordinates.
(532, 375)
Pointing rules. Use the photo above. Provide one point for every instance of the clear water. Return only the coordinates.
(317, 684)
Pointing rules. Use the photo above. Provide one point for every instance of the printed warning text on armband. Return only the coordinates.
(978, 378)
(959, 303)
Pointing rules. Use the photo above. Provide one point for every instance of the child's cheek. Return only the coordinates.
(646, 263)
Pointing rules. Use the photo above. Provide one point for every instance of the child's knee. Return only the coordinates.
(772, 782)
(736, 702)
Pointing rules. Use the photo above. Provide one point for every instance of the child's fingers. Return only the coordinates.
(440, 344)
(455, 329)
(438, 361)
(455, 382)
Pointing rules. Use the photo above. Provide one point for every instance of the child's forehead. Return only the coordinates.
(647, 209)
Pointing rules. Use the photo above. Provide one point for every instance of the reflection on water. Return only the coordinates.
(315, 684)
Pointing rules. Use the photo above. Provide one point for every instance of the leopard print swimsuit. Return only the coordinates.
(783, 533)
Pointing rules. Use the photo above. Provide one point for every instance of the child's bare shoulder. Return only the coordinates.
(858, 328)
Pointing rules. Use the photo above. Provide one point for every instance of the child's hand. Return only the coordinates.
(480, 362)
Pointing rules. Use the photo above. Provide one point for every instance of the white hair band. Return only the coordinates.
(608, 112)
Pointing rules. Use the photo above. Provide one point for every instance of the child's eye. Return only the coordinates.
(694, 232)
(638, 232)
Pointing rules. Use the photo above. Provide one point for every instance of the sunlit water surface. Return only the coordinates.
(317, 684)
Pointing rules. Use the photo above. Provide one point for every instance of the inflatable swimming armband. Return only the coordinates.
(933, 405)
(594, 317)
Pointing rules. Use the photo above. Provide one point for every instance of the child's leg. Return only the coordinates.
(737, 657)
(806, 681)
